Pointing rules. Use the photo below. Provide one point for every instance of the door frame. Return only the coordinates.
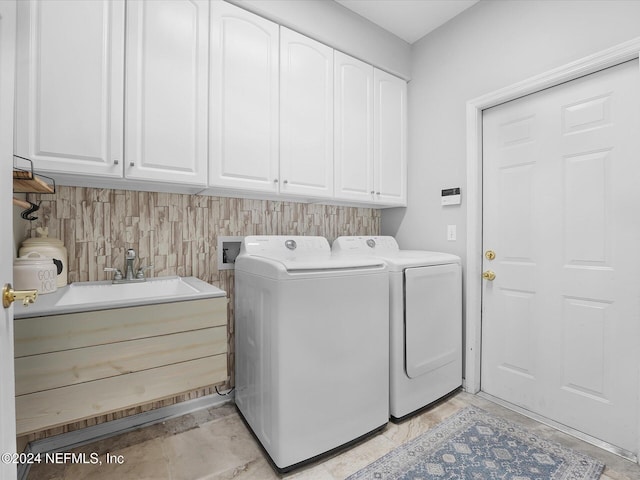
(473, 282)
(7, 394)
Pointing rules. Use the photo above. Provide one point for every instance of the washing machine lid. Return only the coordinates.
(386, 248)
(280, 256)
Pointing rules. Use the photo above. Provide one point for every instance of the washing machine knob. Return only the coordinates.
(290, 244)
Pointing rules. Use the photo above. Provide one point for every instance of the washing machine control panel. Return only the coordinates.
(284, 245)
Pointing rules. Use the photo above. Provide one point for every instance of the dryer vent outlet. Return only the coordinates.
(228, 250)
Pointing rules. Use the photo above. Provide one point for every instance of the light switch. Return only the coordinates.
(451, 233)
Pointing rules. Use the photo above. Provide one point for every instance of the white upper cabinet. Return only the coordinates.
(370, 134)
(244, 100)
(167, 91)
(353, 108)
(306, 116)
(70, 66)
(390, 139)
(193, 95)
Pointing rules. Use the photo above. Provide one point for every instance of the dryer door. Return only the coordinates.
(433, 317)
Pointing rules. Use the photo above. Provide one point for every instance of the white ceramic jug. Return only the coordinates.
(34, 271)
(49, 247)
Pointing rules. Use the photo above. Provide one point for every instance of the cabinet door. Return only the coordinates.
(306, 122)
(244, 100)
(353, 109)
(69, 89)
(390, 132)
(167, 91)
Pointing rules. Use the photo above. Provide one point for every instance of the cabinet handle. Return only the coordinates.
(131, 164)
(275, 180)
(372, 192)
(115, 162)
(286, 181)
(377, 193)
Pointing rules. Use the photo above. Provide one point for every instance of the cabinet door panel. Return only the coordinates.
(390, 127)
(244, 100)
(353, 108)
(69, 108)
(166, 91)
(43, 410)
(306, 123)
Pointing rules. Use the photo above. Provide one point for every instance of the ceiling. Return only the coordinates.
(408, 19)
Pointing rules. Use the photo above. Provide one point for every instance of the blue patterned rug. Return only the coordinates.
(474, 445)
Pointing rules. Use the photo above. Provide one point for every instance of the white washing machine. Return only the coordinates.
(425, 315)
(311, 346)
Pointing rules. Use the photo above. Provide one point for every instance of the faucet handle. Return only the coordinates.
(117, 275)
(141, 271)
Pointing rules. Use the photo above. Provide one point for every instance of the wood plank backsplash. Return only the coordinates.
(178, 235)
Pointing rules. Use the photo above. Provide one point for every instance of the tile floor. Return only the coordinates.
(214, 444)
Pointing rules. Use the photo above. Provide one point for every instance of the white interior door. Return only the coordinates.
(7, 385)
(560, 322)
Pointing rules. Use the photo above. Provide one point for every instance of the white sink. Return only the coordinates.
(90, 296)
(106, 292)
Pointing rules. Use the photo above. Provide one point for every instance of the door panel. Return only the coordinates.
(432, 317)
(69, 115)
(244, 99)
(7, 391)
(390, 138)
(353, 108)
(560, 331)
(587, 210)
(167, 60)
(306, 116)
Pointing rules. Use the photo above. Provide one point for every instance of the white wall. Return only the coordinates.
(492, 45)
(340, 28)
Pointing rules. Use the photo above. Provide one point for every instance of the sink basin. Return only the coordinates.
(101, 292)
(91, 296)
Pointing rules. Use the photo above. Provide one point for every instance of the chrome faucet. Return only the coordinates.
(128, 276)
(128, 270)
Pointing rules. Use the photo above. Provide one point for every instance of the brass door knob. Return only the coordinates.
(489, 254)
(9, 295)
(488, 275)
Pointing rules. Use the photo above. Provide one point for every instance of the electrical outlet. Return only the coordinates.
(451, 233)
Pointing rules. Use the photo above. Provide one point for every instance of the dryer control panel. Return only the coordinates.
(368, 245)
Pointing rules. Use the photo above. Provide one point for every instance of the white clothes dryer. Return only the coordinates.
(311, 346)
(425, 318)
